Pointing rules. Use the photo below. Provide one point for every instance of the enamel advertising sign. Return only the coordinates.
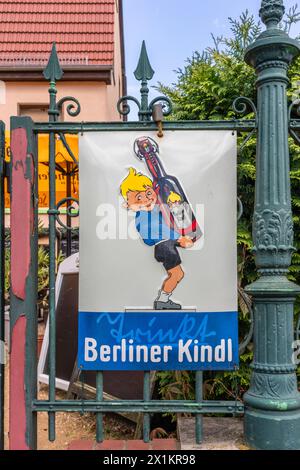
(158, 276)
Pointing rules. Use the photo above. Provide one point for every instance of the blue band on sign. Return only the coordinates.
(158, 341)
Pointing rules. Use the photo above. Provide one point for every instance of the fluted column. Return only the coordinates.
(272, 418)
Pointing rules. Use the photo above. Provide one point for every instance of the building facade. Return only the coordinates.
(90, 45)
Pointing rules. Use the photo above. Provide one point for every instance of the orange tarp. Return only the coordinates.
(62, 157)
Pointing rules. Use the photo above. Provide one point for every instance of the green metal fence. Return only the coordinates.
(145, 123)
(272, 405)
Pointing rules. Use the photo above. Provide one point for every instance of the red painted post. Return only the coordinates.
(2, 280)
(23, 316)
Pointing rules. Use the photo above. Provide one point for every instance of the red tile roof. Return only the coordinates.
(83, 31)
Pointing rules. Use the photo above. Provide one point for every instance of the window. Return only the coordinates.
(38, 112)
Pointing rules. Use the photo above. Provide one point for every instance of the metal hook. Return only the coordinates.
(158, 116)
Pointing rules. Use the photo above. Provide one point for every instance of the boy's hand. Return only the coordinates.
(186, 242)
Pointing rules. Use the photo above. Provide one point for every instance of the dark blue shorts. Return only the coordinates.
(167, 253)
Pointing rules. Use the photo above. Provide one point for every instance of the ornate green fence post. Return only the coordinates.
(272, 417)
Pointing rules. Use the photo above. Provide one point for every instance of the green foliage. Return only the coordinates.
(43, 270)
(176, 385)
(230, 385)
(205, 89)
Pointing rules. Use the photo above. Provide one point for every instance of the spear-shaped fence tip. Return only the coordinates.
(53, 70)
(144, 71)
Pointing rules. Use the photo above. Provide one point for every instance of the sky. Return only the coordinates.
(174, 29)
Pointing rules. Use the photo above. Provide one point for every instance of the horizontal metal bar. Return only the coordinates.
(77, 127)
(137, 406)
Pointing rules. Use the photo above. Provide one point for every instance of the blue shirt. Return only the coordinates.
(152, 227)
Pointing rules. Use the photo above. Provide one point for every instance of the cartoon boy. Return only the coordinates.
(140, 197)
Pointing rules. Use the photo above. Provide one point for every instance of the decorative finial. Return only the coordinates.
(144, 71)
(272, 12)
(53, 71)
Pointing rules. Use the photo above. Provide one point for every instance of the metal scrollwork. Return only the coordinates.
(246, 140)
(144, 73)
(67, 147)
(245, 298)
(247, 339)
(240, 209)
(298, 328)
(73, 109)
(167, 105)
(123, 106)
(240, 106)
(71, 211)
(144, 114)
(294, 108)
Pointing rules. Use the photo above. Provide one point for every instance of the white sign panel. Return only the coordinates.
(158, 223)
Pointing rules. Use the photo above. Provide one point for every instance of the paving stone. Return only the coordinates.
(218, 434)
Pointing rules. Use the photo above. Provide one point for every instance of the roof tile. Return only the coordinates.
(82, 29)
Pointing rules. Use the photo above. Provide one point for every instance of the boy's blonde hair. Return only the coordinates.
(135, 182)
(174, 197)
